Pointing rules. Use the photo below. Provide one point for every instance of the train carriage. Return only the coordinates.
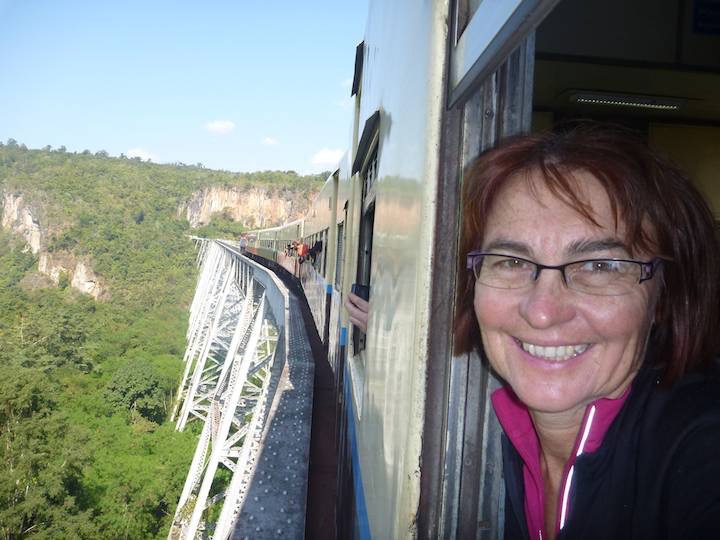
(275, 244)
(435, 84)
(317, 273)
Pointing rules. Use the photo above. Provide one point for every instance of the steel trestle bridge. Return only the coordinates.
(248, 381)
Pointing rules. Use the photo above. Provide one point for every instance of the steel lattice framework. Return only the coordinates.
(229, 383)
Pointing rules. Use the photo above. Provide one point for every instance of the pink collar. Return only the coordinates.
(517, 423)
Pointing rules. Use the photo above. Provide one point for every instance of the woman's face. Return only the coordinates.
(602, 337)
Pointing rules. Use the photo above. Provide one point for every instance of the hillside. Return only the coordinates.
(96, 275)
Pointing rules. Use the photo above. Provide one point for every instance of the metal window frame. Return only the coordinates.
(495, 29)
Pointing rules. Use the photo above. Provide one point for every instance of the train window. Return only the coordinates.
(370, 175)
(317, 247)
(486, 32)
(366, 163)
(339, 255)
(363, 271)
(324, 252)
(367, 221)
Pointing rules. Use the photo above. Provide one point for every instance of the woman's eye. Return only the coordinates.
(512, 264)
(601, 266)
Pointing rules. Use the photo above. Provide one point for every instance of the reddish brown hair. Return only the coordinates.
(644, 189)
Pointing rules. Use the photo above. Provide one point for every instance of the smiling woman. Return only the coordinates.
(592, 291)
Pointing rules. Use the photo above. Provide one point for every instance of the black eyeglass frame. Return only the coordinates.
(647, 268)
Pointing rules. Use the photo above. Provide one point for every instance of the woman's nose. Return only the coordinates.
(548, 301)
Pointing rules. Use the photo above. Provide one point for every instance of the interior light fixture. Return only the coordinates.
(638, 101)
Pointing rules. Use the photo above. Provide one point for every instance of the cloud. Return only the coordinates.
(268, 141)
(327, 156)
(346, 103)
(142, 154)
(222, 127)
(347, 83)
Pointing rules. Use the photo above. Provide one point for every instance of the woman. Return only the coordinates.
(592, 290)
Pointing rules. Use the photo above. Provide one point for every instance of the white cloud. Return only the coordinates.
(347, 83)
(327, 156)
(222, 127)
(268, 141)
(345, 103)
(141, 153)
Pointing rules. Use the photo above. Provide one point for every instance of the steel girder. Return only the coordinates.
(232, 346)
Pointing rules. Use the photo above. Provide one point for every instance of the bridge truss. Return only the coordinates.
(234, 365)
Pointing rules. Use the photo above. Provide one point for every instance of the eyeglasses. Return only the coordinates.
(603, 277)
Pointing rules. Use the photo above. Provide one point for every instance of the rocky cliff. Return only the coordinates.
(23, 219)
(254, 207)
(29, 221)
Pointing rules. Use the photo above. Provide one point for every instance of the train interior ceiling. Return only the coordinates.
(653, 65)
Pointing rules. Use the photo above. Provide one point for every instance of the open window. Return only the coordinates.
(340, 254)
(650, 65)
(485, 32)
(366, 163)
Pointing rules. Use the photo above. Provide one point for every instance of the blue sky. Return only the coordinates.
(240, 85)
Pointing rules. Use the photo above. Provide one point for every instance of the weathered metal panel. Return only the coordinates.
(403, 70)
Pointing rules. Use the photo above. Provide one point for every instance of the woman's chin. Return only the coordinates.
(552, 400)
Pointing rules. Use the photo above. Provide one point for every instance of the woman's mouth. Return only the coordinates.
(553, 353)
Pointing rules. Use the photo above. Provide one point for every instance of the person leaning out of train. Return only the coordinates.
(302, 251)
(592, 291)
(315, 250)
(358, 307)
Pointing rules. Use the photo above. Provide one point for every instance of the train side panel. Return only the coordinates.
(317, 270)
(340, 262)
(394, 186)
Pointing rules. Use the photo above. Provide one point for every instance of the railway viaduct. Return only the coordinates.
(247, 388)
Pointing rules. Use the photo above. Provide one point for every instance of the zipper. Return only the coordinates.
(568, 479)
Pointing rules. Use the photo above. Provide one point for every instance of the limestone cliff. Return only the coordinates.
(23, 219)
(254, 207)
(29, 221)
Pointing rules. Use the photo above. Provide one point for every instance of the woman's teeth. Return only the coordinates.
(557, 354)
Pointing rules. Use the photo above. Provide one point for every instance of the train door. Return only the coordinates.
(652, 65)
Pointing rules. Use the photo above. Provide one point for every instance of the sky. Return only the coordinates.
(239, 85)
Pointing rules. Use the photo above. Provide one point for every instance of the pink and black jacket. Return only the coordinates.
(645, 466)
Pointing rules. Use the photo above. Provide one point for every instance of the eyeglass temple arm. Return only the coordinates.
(471, 256)
(650, 268)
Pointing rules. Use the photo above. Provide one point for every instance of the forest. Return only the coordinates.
(86, 385)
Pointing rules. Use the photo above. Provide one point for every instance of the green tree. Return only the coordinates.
(137, 386)
(54, 329)
(43, 456)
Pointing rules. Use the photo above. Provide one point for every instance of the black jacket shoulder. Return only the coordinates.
(656, 475)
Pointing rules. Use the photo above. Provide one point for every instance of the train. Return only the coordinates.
(435, 84)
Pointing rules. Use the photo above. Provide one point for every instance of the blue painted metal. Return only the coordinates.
(362, 524)
(343, 336)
